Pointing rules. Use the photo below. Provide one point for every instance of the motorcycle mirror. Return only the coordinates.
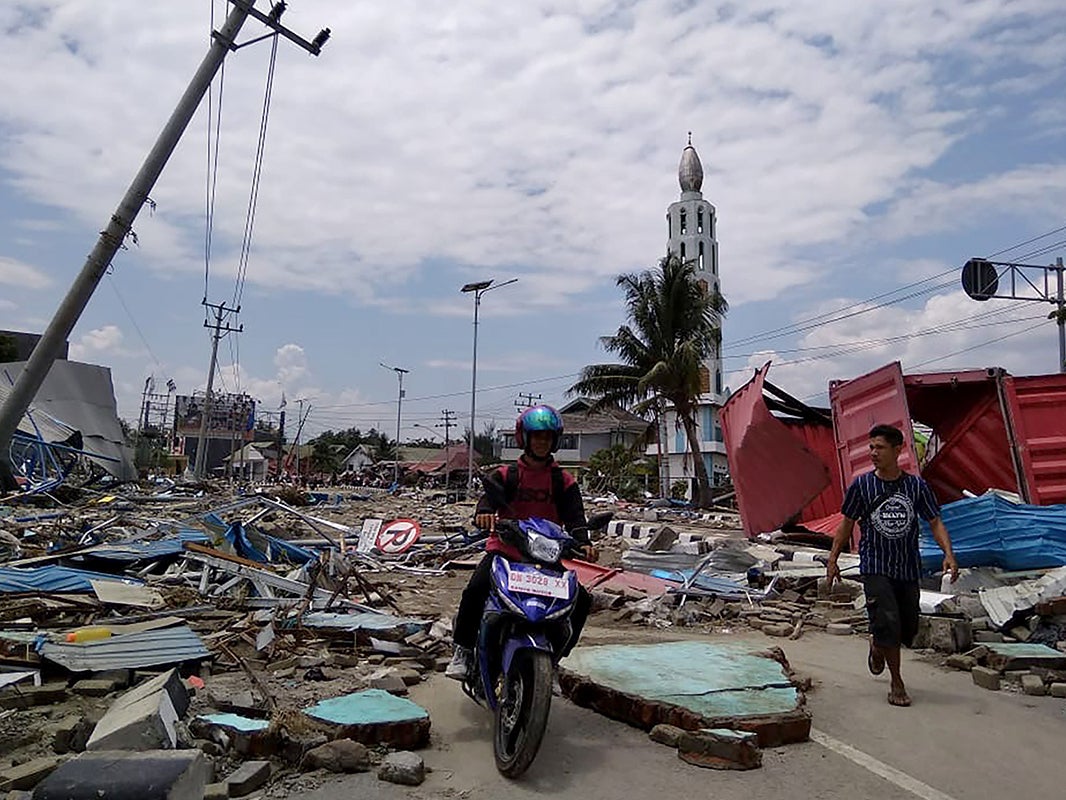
(599, 521)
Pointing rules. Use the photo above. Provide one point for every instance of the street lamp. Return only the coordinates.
(478, 288)
(400, 372)
(426, 428)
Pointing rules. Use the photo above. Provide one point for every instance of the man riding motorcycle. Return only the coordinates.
(533, 487)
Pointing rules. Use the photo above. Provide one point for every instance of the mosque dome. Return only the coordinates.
(690, 170)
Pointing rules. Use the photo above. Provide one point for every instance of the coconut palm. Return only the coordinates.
(673, 328)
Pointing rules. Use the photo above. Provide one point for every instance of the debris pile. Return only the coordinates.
(122, 630)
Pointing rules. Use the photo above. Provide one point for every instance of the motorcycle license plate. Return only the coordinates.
(536, 582)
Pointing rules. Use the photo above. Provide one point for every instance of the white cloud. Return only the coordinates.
(18, 273)
(291, 361)
(422, 133)
(106, 340)
(921, 338)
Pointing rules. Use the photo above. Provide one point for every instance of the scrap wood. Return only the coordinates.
(254, 678)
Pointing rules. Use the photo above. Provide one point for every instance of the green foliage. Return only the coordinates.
(325, 458)
(678, 490)
(9, 350)
(672, 328)
(619, 469)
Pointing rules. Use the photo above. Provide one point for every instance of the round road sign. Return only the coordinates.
(398, 536)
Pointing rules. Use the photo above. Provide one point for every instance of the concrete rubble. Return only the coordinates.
(263, 638)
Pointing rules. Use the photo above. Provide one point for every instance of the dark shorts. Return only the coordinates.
(892, 607)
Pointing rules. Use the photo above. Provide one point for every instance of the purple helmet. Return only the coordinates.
(538, 418)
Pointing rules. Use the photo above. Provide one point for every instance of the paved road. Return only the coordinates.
(957, 742)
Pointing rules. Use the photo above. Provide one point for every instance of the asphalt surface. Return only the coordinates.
(957, 742)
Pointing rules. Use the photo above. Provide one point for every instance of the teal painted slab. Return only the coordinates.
(369, 707)
(710, 678)
(237, 722)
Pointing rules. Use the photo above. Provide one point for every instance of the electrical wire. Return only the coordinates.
(257, 172)
(860, 307)
(136, 327)
(212, 164)
(977, 346)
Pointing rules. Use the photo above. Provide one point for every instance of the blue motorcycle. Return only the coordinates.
(524, 630)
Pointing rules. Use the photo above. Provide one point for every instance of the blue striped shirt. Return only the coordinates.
(887, 513)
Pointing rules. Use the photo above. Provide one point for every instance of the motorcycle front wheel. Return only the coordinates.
(522, 713)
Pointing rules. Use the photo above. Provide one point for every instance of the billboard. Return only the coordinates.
(232, 415)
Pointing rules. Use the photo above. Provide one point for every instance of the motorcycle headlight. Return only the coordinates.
(541, 548)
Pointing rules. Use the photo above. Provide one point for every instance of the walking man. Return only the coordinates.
(886, 502)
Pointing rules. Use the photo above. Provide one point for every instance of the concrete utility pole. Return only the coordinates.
(400, 372)
(118, 228)
(218, 327)
(478, 288)
(983, 279)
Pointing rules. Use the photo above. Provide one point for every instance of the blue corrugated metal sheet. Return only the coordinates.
(146, 551)
(152, 648)
(54, 579)
(988, 531)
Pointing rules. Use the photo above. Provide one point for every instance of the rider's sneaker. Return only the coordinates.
(457, 669)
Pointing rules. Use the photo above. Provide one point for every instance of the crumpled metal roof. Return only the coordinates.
(54, 579)
(151, 648)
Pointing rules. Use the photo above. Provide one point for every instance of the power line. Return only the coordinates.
(133, 321)
(257, 172)
(978, 346)
(828, 318)
(1027, 241)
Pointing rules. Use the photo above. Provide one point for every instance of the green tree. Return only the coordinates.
(324, 457)
(9, 350)
(673, 327)
(619, 469)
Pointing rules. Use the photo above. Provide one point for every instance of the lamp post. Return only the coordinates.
(478, 288)
(400, 372)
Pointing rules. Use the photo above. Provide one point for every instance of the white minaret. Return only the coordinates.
(690, 226)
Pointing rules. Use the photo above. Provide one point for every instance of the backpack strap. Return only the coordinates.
(510, 483)
(557, 488)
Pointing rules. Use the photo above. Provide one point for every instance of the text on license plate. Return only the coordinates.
(532, 582)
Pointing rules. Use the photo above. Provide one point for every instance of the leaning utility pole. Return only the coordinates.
(218, 327)
(119, 227)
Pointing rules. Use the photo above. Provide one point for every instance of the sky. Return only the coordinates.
(857, 155)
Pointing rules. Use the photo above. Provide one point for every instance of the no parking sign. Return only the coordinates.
(398, 536)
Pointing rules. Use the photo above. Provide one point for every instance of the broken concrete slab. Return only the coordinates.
(691, 685)
(247, 736)
(249, 776)
(373, 716)
(71, 733)
(720, 749)
(960, 661)
(31, 696)
(341, 755)
(216, 791)
(1033, 686)
(1013, 656)
(404, 768)
(28, 775)
(665, 734)
(94, 687)
(122, 775)
(986, 678)
(170, 682)
(146, 723)
(1058, 690)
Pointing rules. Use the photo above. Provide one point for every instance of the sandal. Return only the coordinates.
(875, 661)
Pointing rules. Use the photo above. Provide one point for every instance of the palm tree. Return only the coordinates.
(673, 327)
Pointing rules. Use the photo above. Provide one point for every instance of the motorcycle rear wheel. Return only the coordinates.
(522, 714)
